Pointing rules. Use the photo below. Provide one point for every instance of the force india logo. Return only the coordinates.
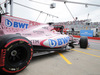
(15, 24)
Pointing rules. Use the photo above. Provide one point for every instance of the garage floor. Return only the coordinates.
(73, 62)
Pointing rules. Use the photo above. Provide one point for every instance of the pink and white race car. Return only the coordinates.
(20, 39)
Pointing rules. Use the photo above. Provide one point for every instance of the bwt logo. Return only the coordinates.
(8, 23)
(59, 41)
(52, 43)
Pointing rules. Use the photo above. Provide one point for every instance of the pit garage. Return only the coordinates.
(72, 62)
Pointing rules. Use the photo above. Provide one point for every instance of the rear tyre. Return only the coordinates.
(83, 42)
(16, 53)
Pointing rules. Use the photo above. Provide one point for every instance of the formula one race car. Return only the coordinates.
(20, 39)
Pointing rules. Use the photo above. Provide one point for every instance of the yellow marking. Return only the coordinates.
(85, 53)
(93, 49)
(65, 58)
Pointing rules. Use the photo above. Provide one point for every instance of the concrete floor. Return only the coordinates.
(84, 62)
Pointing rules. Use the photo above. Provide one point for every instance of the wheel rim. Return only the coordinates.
(17, 56)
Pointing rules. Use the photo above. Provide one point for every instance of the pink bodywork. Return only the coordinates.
(38, 33)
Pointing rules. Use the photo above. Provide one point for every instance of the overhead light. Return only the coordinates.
(86, 5)
(53, 5)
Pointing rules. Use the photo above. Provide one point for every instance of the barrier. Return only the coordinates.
(95, 38)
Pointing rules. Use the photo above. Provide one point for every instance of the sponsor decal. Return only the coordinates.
(2, 57)
(58, 42)
(45, 28)
(14, 69)
(88, 33)
(35, 41)
(26, 34)
(33, 23)
(38, 32)
(30, 56)
(15, 24)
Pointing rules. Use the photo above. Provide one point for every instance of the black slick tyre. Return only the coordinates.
(83, 42)
(15, 53)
